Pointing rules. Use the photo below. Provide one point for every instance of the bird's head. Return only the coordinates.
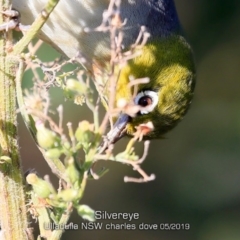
(164, 100)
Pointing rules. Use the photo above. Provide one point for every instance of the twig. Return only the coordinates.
(134, 164)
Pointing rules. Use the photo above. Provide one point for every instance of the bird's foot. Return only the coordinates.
(14, 22)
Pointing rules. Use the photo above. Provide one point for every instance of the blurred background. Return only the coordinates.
(197, 166)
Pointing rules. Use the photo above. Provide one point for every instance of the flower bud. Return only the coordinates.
(76, 86)
(68, 195)
(46, 138)
(53, 153)
(42, 188)
(72, 173)
(86, 212)
(84, 133)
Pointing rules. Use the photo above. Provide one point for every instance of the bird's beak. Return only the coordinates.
(119, 128)
(116, 133)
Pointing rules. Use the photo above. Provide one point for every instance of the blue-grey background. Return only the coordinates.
(197, 166)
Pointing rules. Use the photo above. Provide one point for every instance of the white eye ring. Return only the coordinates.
(149, 108)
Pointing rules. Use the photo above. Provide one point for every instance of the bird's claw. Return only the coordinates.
(14, 22)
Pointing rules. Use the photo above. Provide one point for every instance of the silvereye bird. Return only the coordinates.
(166, 58)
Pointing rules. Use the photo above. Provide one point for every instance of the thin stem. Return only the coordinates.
(13, 215)
(56, 234)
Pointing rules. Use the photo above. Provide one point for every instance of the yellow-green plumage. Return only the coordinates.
(168, 62)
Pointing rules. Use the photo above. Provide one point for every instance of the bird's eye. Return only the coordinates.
(146, 99)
